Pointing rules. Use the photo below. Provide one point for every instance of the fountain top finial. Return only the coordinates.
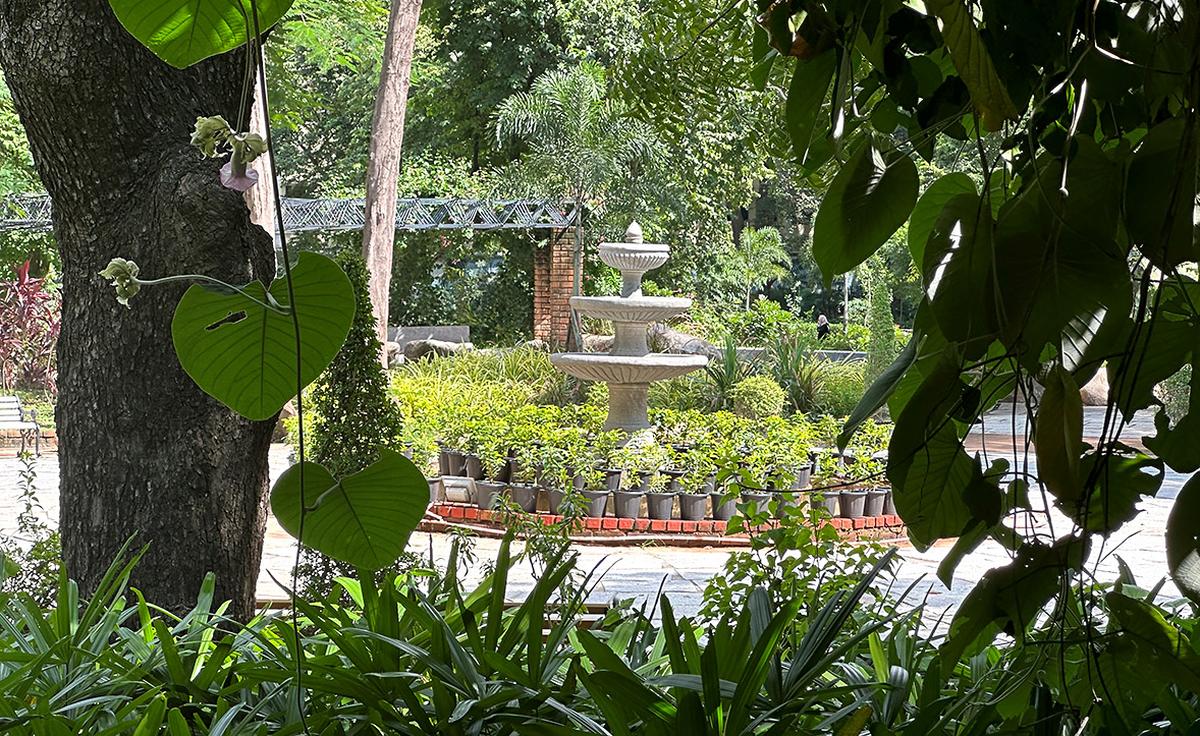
(633, 234)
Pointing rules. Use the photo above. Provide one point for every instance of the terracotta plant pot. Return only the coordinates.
(660, 506)
(627, 504)
(852, 504)
(876, 500)
(693, 506)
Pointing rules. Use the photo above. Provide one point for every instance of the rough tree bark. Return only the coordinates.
(387, 139)
(141, 449)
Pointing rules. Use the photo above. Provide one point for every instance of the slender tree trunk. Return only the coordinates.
(387, 139)
(142, 451)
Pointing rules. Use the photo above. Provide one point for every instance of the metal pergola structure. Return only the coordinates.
(32, 212)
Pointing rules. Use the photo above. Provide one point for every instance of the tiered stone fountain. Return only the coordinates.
(629, 367)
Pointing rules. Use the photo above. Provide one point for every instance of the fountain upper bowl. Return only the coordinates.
(643, 309)
(634, 257)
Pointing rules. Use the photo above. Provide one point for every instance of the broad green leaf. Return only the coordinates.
(152, 721)
(243, 354)
(1159, 647)
(931, 495)
(1059, 436)
(184, 32)
(929, 208)
(1162, 346)
(764, 58)
(1183, 539)
(1119, 477)
(364, 519)
(1054, 273)
(1009, 598)
(869, 199)
(877, 395)
(810, 83)
(973, 63)
(1159, 194)
(958, 274)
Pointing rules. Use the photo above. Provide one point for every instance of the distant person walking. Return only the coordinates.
(822, 327)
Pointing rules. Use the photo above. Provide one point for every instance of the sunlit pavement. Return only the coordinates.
(641, 572)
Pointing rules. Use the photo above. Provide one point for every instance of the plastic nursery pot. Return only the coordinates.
(456, 463)
(524, 495)
(473, 467)
(486, 494)
(643, 482)
(876, 499)
(673, 477)
(828, 500)
(693, 506)
(554, 499)
(852, 504)
(710, 483)
(660, 506)
(789, 500)
(723, 508)
(597, 502)
(578, 482)
(436, 493)
(504, 474)
(803, 478)
(889, 503)
(758, 501)
(627, 504)
(612, 479)
(443, 461)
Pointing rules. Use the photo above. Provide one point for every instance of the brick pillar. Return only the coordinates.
(553, 282)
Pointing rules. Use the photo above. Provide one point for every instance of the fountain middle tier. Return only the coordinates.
(627, 369)
(639, 309)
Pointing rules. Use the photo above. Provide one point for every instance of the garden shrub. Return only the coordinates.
(30, 314)
(757, 397)
(352, 415)
(35, 552)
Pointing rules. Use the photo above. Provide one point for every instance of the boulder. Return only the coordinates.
(418, 349)
(1095, 391)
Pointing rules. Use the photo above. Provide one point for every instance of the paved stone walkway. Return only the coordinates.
(639, 572)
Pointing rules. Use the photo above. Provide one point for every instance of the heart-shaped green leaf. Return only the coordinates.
(365, 519)
(244, 354)
(869, 199)
(183, 32)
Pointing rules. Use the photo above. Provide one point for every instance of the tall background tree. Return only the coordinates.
(383, 166)
(143, 452)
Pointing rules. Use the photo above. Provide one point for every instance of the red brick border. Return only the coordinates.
(674, 532)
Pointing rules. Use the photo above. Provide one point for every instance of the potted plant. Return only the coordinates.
(889, 503)
(595, 497)
(852, 503)
(522, 484)
(696, 482)
(660, 499)
(826, 497)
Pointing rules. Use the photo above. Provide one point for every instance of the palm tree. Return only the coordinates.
(760, 258)
(582, 143)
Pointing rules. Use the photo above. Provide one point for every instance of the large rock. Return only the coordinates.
(1095, 391)
(418, 349)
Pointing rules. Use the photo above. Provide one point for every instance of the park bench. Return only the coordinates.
(15, 416)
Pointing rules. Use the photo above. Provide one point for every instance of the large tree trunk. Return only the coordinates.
(387, 138)
(142, 451)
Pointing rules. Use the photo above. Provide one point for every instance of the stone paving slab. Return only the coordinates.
(639, 572)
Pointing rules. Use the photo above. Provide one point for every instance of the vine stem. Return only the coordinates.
(193, 277)
(255, 48)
